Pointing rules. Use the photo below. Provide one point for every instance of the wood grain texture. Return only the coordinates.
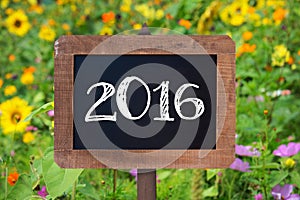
(65, 49)
(146, 185)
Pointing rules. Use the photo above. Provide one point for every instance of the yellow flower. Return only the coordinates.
(1, 83)
(81, 20)
(148, 13)
(10, 90)
(106, 31)
(159, 14)
(27, 78)
(32, 2)
(266, 21)
(247, 35)
(62, 2)
(4, 4)
(28, 137)
(137, 26)
(17, 23)
(125, 6)
(47, 33)
(206, 19)
(73, 8)
(253, 16)
(14, 111)
(276, 3)
(8, 75)
(9, 11)
(260, 4)
(280, 55)
(289, 163)
(36, 8)
(235, 13)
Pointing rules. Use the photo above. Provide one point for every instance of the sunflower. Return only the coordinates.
(13, 112)
(106, 31)
(206, 20)
(235, 13)
(17, 23)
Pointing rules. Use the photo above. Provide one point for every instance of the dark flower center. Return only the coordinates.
(16, 118)
(18, 23)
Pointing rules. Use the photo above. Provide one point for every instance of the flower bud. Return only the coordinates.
(289, 163)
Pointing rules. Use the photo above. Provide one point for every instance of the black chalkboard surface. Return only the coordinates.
(145, 132)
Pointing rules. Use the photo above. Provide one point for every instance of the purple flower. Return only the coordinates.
(50, 113)
(287, 150)
(284, 192)
(259, 98)
(239, 165)
(246, 151)
(259, 196)
(134, 173)
(12, 153)
(43, 192)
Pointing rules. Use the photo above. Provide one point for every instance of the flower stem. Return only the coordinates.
(265, 145)
(231, 185)
(5, 182)
(74, 190)
(115, 183)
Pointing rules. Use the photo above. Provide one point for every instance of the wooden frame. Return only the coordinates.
(65, 49)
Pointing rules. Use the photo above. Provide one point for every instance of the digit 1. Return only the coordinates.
(122, 98)
(164, 102)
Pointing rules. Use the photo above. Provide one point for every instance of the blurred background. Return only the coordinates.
(266, 33)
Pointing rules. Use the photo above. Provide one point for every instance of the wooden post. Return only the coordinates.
(146, 184)
(146, 179)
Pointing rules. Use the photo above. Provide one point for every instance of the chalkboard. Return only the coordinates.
(144, 101)
(178, 70)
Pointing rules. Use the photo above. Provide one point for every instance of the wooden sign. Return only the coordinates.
(144, 101)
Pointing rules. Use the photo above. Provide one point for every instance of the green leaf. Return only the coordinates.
(57, 180)
(40, 96)
(173, 9)
(22, 189)
(267, 166)
(295, 177)
(164, 174)
(210, 192)
(89, 191)
(277, 177)
(44, 108)
(211, 173)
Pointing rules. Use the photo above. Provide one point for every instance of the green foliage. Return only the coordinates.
(260, 85)
(57, 180)
(22, 189)
(44, 108)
